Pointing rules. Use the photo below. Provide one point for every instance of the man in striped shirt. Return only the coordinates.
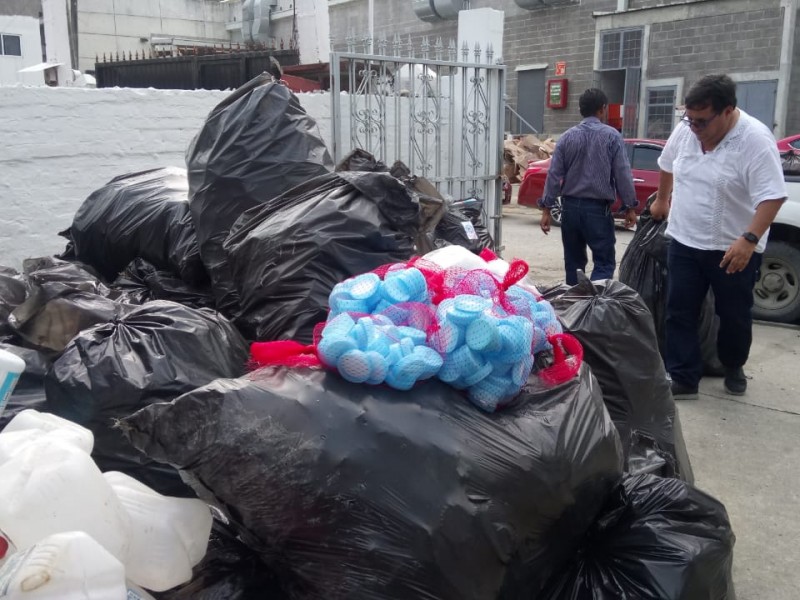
(589, 169)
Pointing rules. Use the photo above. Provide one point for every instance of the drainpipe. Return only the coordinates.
(785, 68)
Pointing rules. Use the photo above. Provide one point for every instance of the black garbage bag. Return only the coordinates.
(463, 225)
(619, 343)
(138, 215)
(287, 255)
(12, 293)
(229, 571)
(28, 393)
(36, 363)
(355, 491)
(656, 539)
(644, 268)
(790, 161)
(63, 299)
(256, 144)
(361, 160)
(142, 282)
(154, 353)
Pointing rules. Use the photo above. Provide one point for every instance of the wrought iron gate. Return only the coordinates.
(443, 117)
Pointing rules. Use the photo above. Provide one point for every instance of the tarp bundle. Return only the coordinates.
(644, 268)
(139, 215)
(656, 539)
(154, 353)
(286, 256)
(348, 491)
(619, 344)
(254, 145)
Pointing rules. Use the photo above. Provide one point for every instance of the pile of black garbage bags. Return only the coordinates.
(325, 489)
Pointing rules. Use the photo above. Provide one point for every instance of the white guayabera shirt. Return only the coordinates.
(715, 194)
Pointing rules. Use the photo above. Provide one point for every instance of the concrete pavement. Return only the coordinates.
(744, 450)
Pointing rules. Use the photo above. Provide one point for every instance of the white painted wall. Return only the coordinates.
(111, 26)
(31, 41)
(67, 142)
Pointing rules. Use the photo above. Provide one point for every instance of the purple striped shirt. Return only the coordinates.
(590, 162)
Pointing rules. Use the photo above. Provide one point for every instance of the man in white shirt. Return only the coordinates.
(724, 173)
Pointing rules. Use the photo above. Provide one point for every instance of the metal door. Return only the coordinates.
(530, 100)
(442, 117)
(757, 98)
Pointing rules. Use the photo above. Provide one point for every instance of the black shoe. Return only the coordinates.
(683, 392)
(735, 381)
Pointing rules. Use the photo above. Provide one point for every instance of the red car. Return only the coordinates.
(789, 143)
(643, 156)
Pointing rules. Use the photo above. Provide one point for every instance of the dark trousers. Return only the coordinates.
(587, 221)
(691, 271)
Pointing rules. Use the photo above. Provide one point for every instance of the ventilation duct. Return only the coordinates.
(256, 20)
(438, 10)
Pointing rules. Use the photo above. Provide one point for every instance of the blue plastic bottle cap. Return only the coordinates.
(360, 336)
(467, 360)
(338, 326)
(514, 345)
(416, 284)
(365, 286)
(342, 305)
(380, 344)
(469, 303)
(474, 377)
(459, 317)
(447, 338)
(407, 346)
(394, 289)
(330, 349)
(431, 359)
(482, 334)
(521, 371)
(488, 393)
(449, 372)
(382, 321)
(444, 305)
(378, 367)
(416, 335)
(394, 355)
(354, 366)
(398, 314)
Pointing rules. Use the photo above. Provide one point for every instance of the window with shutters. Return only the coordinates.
(621, 48)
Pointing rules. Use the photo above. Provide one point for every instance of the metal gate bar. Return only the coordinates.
(443, 118)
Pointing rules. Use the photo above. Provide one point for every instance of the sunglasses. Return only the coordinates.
(698, 124)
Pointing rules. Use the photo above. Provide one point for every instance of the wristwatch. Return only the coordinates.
(750, 237)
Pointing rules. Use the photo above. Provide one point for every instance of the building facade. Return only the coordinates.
(644, 53)
(20, 42)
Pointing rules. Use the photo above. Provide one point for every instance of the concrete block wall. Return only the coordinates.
(60, 144)
(725, 43)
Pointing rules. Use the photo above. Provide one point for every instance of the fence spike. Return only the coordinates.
(410, 47)
(351, 41)
(477, 52)
(137, 55)
(452, 51)
(489, 53)
(465, 51)
(382, 44)
(438, 48)
(397, 44)
(281, 43)
(117, 55)
(426, 47)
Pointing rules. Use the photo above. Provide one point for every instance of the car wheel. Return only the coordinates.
(555, 213)
(777, 292)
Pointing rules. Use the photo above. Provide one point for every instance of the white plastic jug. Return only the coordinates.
(64, 566)
(52, 486)
(11, 367)
(168, 536)
(31, 425)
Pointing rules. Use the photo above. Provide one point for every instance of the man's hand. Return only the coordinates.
(630, 218)
(659, 209)
(737, 256)
(545, 222)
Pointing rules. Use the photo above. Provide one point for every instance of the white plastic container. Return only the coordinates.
(11, 367)
(168, 536)
(31, 425)
(64, 566)
(52, 486)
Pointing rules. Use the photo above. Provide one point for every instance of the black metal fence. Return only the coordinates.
(218, 71)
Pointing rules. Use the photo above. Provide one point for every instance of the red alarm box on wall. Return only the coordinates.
(556, 93)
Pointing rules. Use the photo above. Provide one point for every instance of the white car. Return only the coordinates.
(777, 291)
